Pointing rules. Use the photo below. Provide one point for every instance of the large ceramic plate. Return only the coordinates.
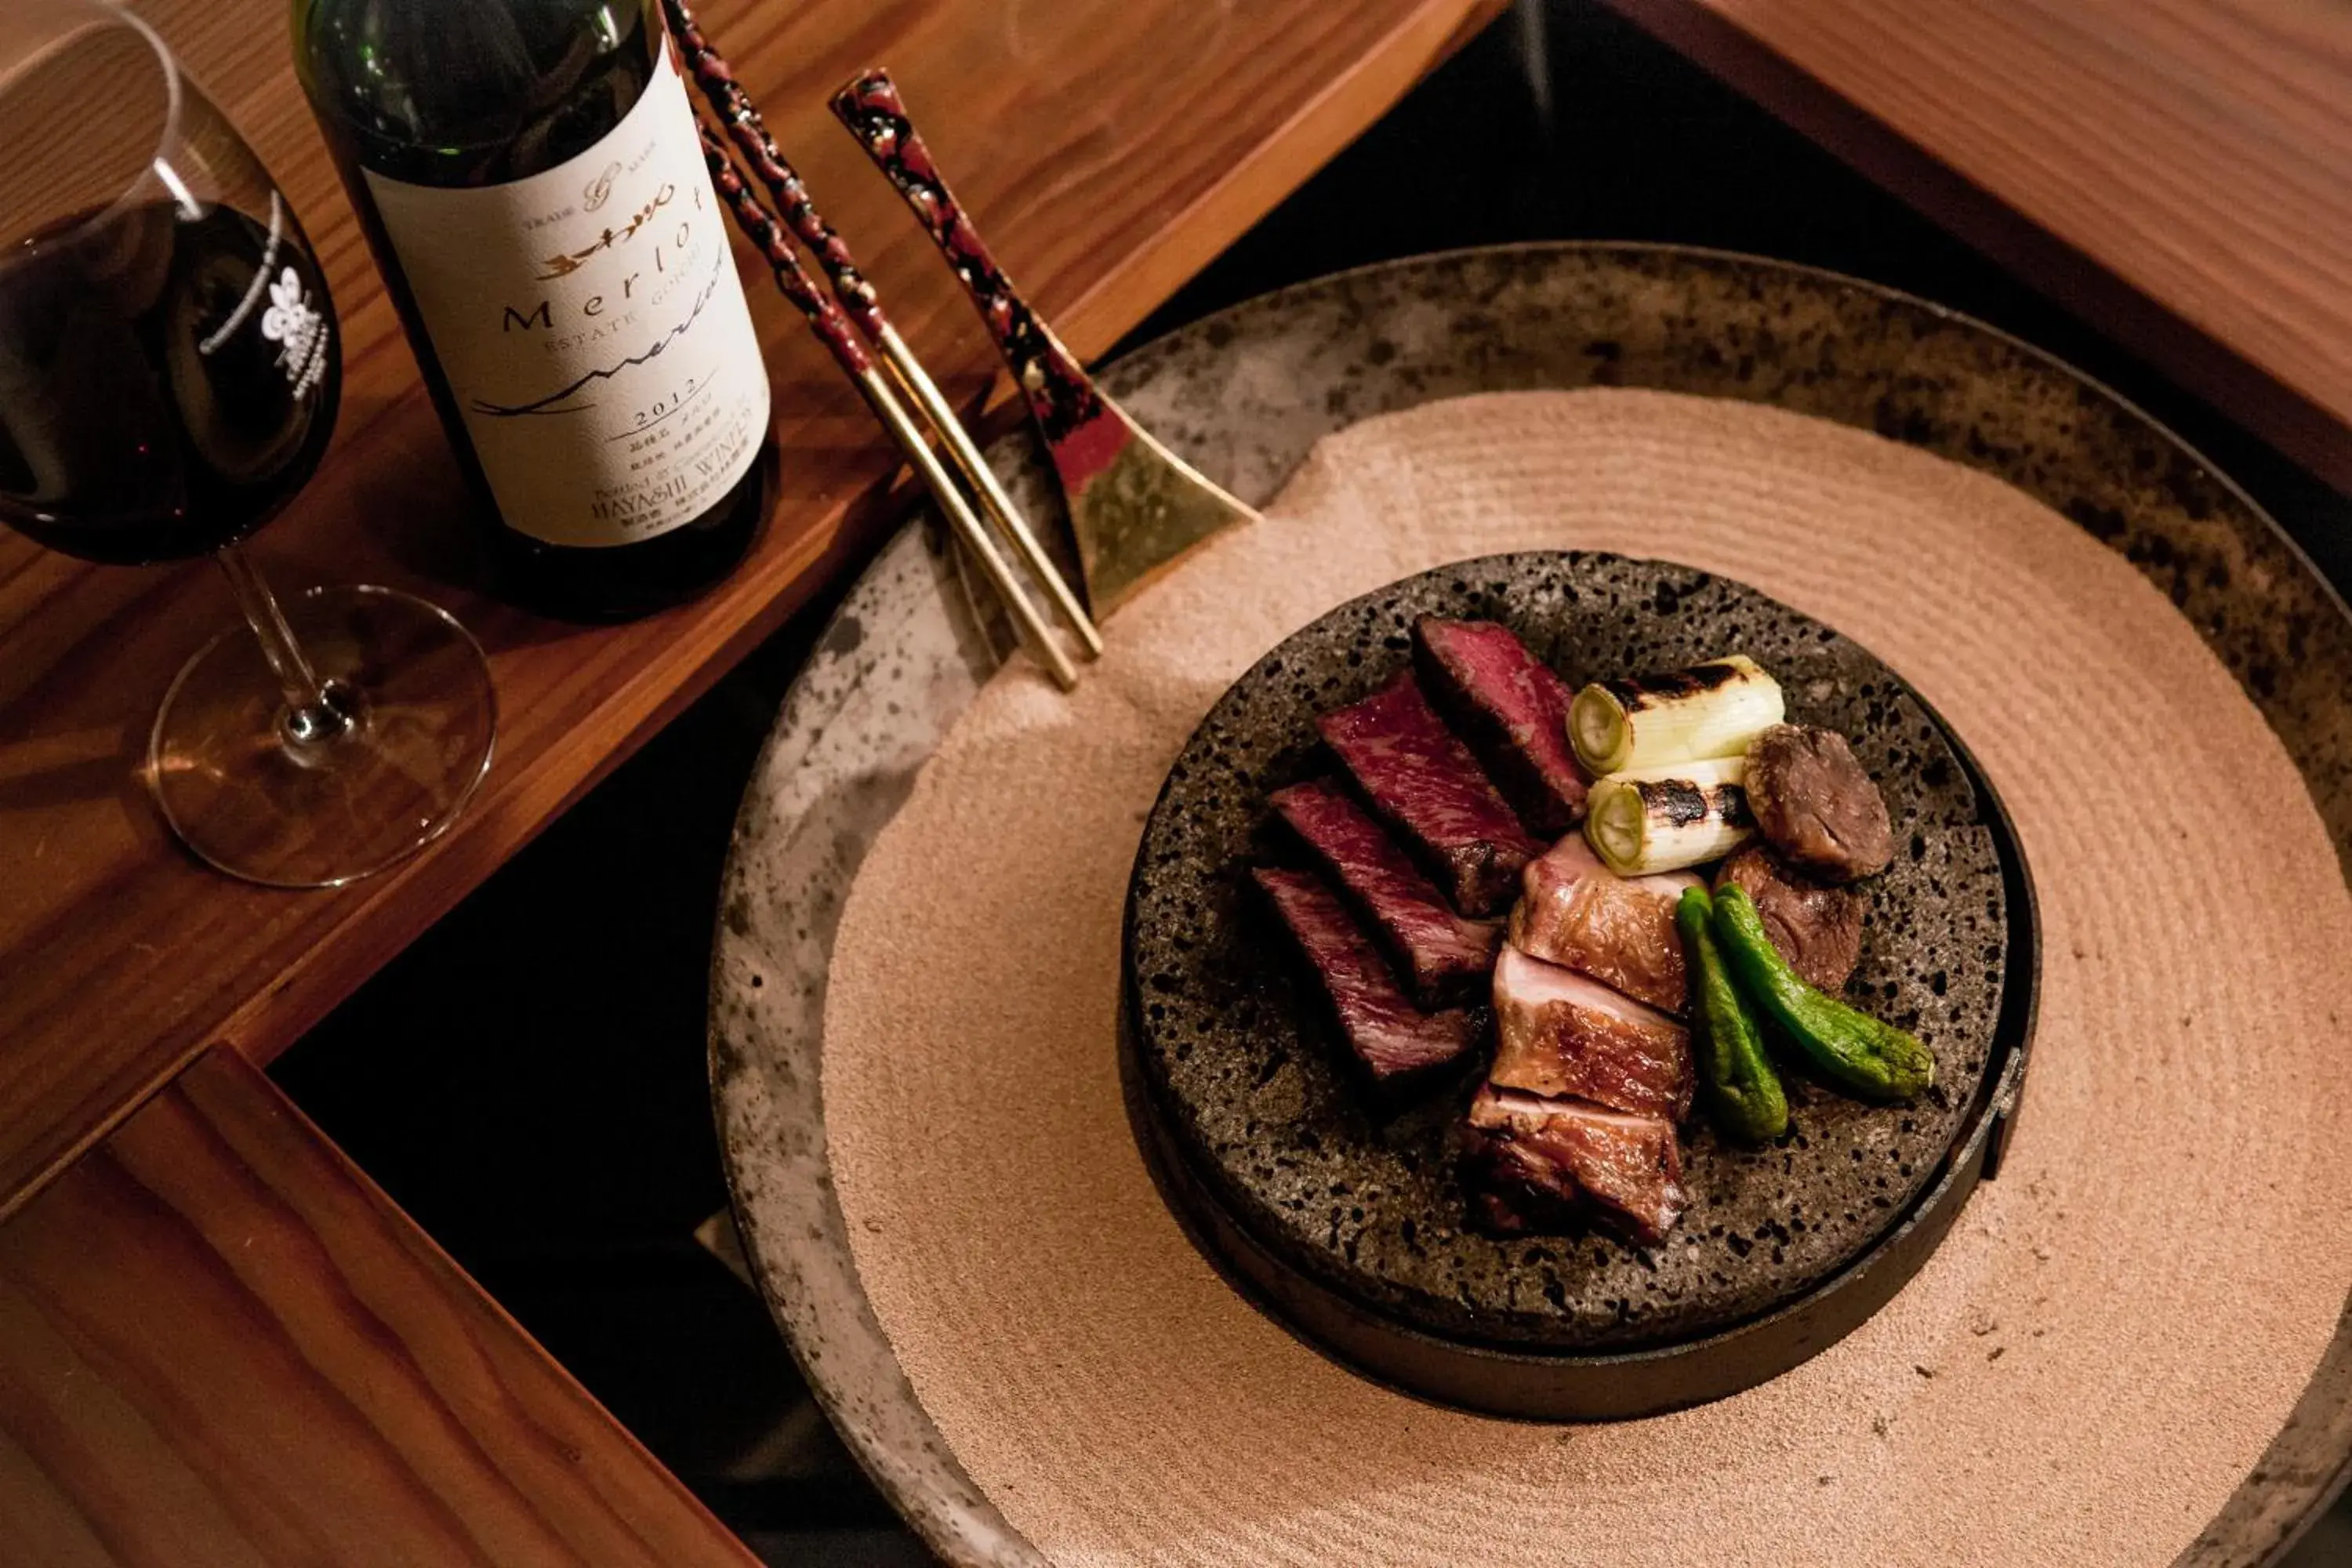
(1244, 393)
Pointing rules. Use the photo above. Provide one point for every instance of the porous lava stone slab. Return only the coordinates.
(1241, 1070)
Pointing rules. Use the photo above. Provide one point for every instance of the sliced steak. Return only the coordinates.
(1512, 709)
(1396, 1042)
(1535, 1164)
(1443, 957)
(1813, 803)
(1576, 912)
(1817, 926)
(1424, 783)
(1558, 1032)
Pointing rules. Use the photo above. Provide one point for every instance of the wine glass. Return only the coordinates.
(170, 369)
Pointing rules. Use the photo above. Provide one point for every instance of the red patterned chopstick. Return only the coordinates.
(831, 324)
(856, 297)
(826, 318)
(749, 134)
(1060, 393)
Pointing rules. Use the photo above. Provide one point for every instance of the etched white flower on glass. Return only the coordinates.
(298, 330)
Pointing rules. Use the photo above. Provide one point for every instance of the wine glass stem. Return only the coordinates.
(312, 717)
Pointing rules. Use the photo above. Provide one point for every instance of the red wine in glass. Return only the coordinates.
(170, 371)
(186, 375)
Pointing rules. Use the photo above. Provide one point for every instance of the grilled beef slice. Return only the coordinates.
(1424, 783)
(1512, 709)
(1443, 957)
(1396, 1042)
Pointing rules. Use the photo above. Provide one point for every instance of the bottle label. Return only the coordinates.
(592, 329)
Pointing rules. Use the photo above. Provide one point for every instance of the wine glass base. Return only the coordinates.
(248, 798)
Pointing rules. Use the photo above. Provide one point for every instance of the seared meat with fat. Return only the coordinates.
(1536, 1164)
(1396, 1042)
(1814, 803)
(1424, 781)
(1816, 926)
(1442, 956)
(1512, 709)
(1576, 912)
(1560, 1032)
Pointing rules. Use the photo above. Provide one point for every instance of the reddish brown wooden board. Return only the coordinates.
(220, 1343)
(2177, 172)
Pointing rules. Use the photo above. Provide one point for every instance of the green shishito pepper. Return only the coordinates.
(1743, 1092)
(1857, 1052)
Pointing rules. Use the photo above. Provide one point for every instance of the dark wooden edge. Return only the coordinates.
(257, 1085)
(449, 1385)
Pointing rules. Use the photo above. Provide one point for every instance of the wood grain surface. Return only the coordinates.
(2200, 151)
(1110, 148)
(220, 1343)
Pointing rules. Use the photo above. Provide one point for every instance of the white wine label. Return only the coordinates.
(592, 329)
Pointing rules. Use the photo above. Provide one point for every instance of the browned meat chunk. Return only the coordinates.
(1619, 929)
(1815, 805)
(1816, 926)
(1442, 956)
(1535, 1164)
(1397, 1043)
(1512, 709)
(1558, 1032)
(1425, 783)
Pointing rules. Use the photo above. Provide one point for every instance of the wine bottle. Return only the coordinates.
(530, 178)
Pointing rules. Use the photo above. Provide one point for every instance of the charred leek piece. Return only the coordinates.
(1873, 1059)
(1710, 710)
(1648, 820)
(1743, 1092)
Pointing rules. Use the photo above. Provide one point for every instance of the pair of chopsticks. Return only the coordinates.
(851, 325)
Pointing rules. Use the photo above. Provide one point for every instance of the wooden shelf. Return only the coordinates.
(219, 1344)
(1108, 147)
(2177, 172)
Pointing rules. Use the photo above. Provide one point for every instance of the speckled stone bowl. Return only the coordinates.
(1244, 1083)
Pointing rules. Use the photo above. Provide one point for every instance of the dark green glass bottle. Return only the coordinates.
(530, 177)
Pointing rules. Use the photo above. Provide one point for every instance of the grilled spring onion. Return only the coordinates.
(1648, 820)
(1863, 1055)
(1710, 710)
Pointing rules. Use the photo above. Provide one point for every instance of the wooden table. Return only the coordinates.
(222, 1344)
(2179, 171)
(218, 1342)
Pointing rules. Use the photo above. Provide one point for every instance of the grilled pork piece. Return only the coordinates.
(1816, 927)
(1443, 957)
(1576, 912)
(1535, 1164)
(1420, 778)
(1813, 803)
(1397, 1043)
(1512, 710)
(1560, 1032)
